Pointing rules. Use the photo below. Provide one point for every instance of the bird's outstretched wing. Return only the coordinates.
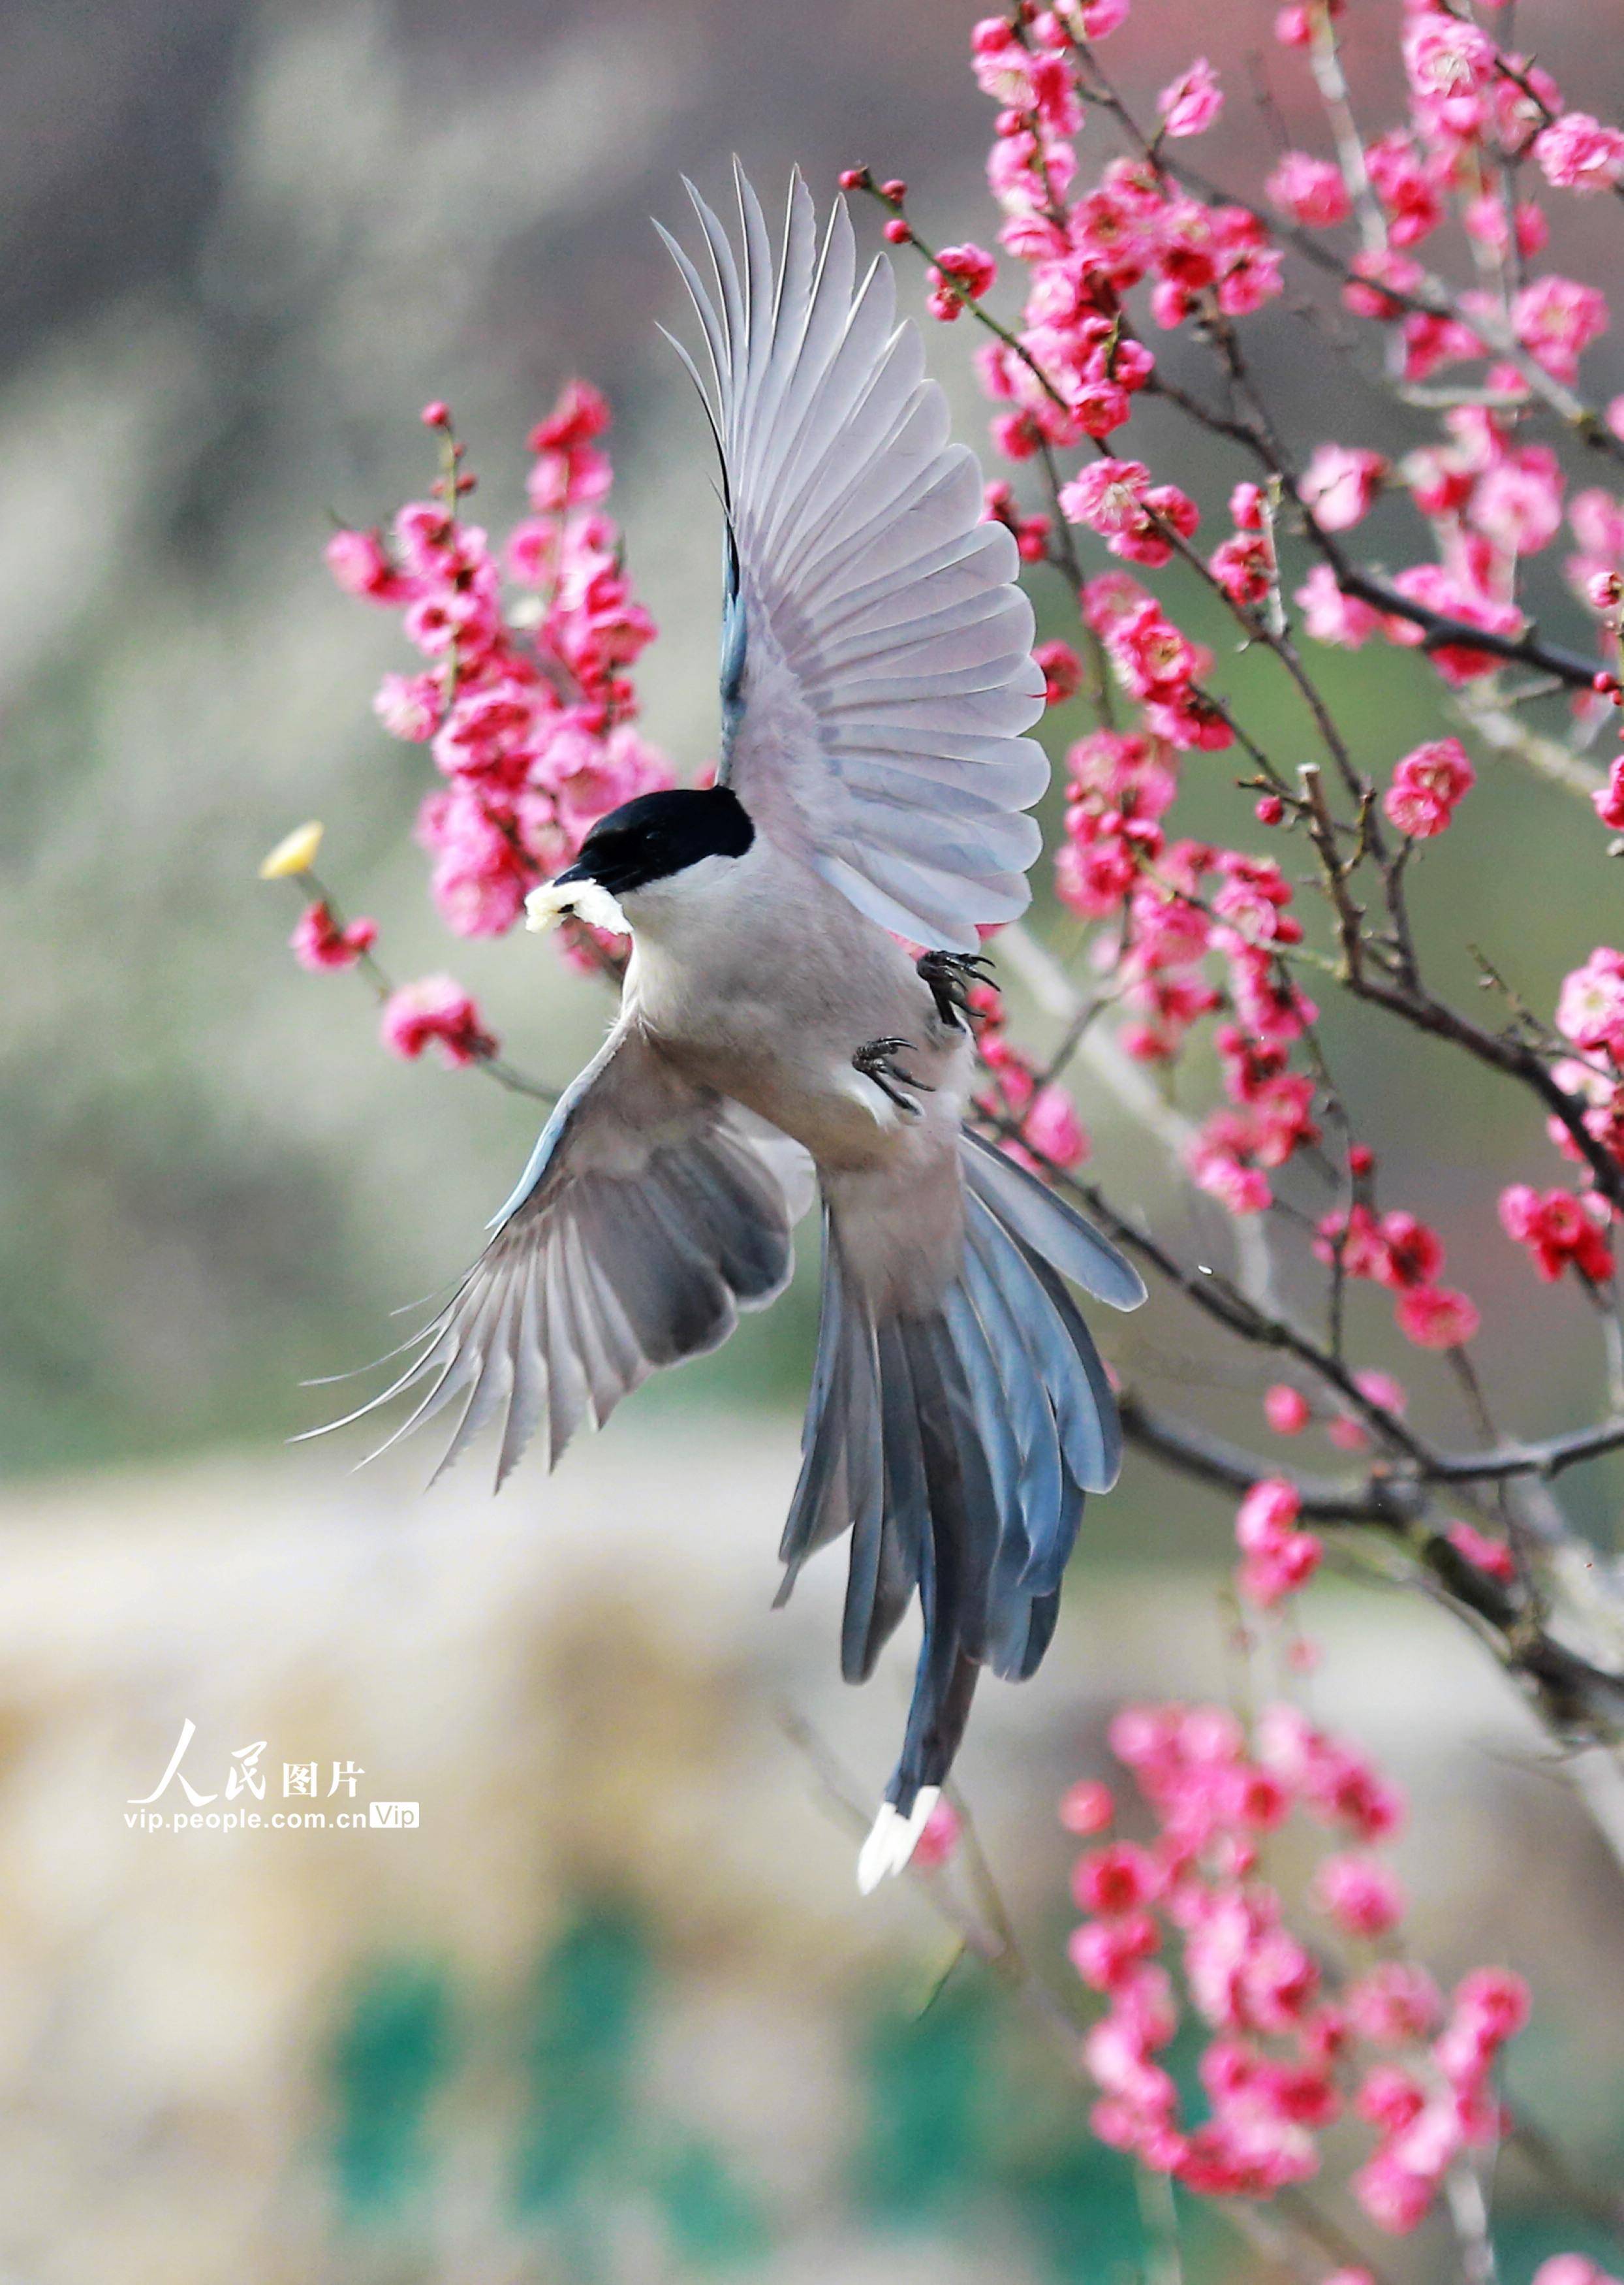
(876, 653)
(651, 1213)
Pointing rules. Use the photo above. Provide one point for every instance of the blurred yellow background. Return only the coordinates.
(613, 2010)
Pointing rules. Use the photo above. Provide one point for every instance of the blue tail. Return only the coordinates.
(957, 1446)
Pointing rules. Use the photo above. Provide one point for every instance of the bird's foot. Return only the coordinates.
(952, 975)
(876, 1060)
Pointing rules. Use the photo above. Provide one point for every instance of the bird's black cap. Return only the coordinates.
(660, 833)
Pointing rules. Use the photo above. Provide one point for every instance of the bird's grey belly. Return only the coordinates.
(807, 1084)
(787, 1055)
(767, 997)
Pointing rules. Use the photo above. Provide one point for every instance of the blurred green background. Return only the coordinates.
(613, 2011)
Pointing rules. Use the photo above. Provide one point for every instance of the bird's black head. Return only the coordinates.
(660, 833)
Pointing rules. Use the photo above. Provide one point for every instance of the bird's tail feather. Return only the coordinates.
(956, 1445)
(1043, 1221)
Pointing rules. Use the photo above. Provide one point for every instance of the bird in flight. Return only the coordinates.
(804, 933)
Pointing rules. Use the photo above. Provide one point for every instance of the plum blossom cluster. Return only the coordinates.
(1400, 1251)
(320, 942)
(436, 1012)
(1589, 1015)
(1432, 227)
(1069, 373)
(960, 274)
(1076, 366)
(1427, 786)
(523, 697)
(1277, 1556)
(1560, 1229)
(1269, 1117)
(1195, 934)
(1072, 369)
(1287, 1411)
(1137, 520)
(1197, 931)
(1299, 2027)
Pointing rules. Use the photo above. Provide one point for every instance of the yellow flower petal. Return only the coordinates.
(296, 854)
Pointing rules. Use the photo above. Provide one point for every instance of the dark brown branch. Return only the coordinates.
(1389, 1493)
(1217, 1298)
(1570, 668)
(1579, 1699)
(1382, 1493)
(1376, 1497)
(1514, 1057)
(1440, 632)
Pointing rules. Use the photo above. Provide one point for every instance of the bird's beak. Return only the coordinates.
(576, 892)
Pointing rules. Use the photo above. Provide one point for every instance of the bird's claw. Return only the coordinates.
(952, 975)
(876, 1061)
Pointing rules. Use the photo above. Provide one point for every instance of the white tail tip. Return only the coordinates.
(891, 1838)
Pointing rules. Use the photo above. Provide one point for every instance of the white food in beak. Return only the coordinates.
(588, 900)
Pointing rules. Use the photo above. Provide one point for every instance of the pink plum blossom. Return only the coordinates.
(1490, 1555)
(1190, 104)
(360, 566)
(1518, 500)
(1590, 1005)
(438, 1013)
(1331, 616)
(1310, 191)
(1436, 1316)
(1361, 1894)
(319, 943)
(1451, 69)
(1427, 786)
(1341, 483)
(1286, 1410)
(1558, 1230)
(1556, 319)
(1087, 1807)
(1576, 153)
(1093, 19)
(1055, 1131)
(958, 270)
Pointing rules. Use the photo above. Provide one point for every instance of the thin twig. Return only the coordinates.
(308, 885)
